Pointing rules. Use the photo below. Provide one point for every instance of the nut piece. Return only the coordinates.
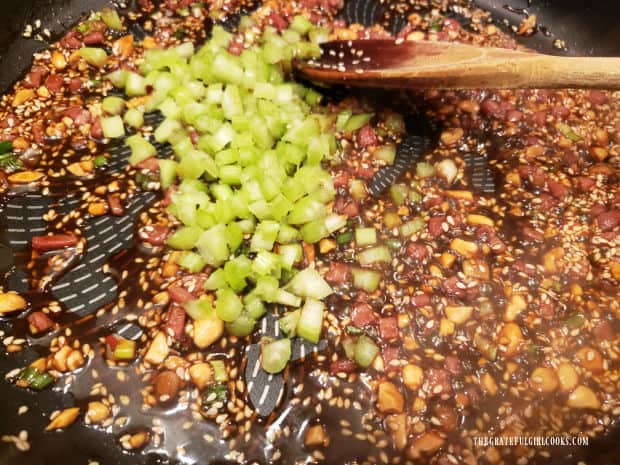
(478, 220)
(544, 380)
(458, 314)
(398, 426)
(59, 359)
(515, 306)
(489, 384)
(63, 419)
(75, 360)
(316, 436)
(201, 374)
(510, 339)
(451, 136)
(466, 249)
(389, 398)
(137, 440)
(23, 96)
(207, 331)
(413, 376)
(591, 359)
(25, 177)
(58, 60)
(158, 350)
(426, 443)
(11, 302)
(567, 376)
(583, 397)
(97, 412)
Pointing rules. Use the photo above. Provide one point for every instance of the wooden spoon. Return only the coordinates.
(444, 65)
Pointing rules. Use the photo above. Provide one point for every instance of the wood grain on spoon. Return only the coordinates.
(444, 65)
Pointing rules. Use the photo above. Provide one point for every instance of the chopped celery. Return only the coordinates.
(424, 169)
(365, 236)
(228, 306)
(191, 261)
(309, 283)
(220, 375)
(118, 78)
(216, 280)
(112, 127)
(378, 254)
(242, 326)
(111, 18)
(290, 254)
(213, 245)
(399, 192)
(366, 280)
(96, 57)
(412, 227)
(236, 271)
(275, 355)
(267, 264)
(288, 323)
(387, 153)
(141, 149)
(365, 351)
(167, 172)
(134, 118)
(135, 85)
(264, 236)
(357, 121)
(113, 105)
(185, 238)
(311, 320)
(199, 309)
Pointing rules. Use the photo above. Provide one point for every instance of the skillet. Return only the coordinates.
(584, 29)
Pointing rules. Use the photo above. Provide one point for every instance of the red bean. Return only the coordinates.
(35, 77)
(38, 133)
(78, 114)
(167, 385)
(338, 273)
(435, 226)
(71, 40)
(365, 172)
(55, 242)
(54, 82)
(560, 111)
(363, 315)
(514, 116)
(236, 46)
(277, 21)
(96, 131)
(343, 366)
(175, 322)
(388, 328)
(116, 207)
(439, 381)
(179, 294)
(584, 184)
(341, 179)
(547, 202)
(94, 38)
(453, 286)
(557, 189)
(452, 364)
(150, 164)
(39, 322)
(366, 136)
(608, 220)
(531, 234)
(154, 234)
(417, 251)
(603, 331)
(597, 97)
(490, 107)
(390, 354)
(75, 85)
(421, 300)
(349, 208)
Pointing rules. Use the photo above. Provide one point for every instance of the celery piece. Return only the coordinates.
(288, 323)
(287, 234)
(170, 109)
(141, 149)
(267, 288)
(357, 121)
(264, 236)
(378, 254)
(366, 280)
(399, 192)
(242, 326)
(335, 222)
(231, 102)
(290, 254)
(199, 309)
(134, 118)
(342, 119)
(365, 351)
(96, 57)
(167, 172)
(311, 320)
(286, 298)
(266, 264)
(166, 129)
(118, 78)
(185, 238)
(112, 127)
(213, 245)
(318, 35)
(314, 231)
(275, 355)
(234, 235)
(365, 236)
(191, 261)
(254, 306)
(226, 68)
(216, 280)
(111, 19)
(135, 85)
(301, 25)
(228, 306)
(424, 169)
(307, 209)
(236, 271)
(386, 153)
(113, 105)
(412, 227)
(309, 283)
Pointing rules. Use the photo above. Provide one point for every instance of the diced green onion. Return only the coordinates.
(275, 355)
(568, 131)
(41, 381)
(344, 238)
(220, 375)
(100, 160)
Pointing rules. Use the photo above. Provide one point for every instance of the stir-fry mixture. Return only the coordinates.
(406, 324)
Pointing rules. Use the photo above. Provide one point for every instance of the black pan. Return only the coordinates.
(584, 29)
